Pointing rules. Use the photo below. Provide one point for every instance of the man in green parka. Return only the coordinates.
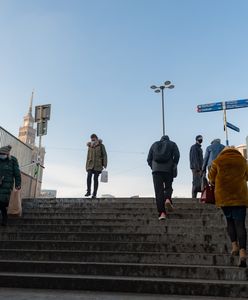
(97, 160)
(9, 175)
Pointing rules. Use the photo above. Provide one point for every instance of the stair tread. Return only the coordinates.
(126, 278)
(123, 264)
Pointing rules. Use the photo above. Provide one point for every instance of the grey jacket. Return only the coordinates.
(196, 157)
(211, 154)
(173, 153)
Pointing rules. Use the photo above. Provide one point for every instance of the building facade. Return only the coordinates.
(243, 150)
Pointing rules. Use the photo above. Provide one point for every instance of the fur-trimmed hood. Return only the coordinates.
(98, 143)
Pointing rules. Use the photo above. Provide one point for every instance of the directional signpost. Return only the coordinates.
(237, 104)
(233, 127)
(42, 116)
(226, 105)
(210, 107)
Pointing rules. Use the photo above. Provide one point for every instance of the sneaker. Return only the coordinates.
(87, 194)
(242, 259)
(169, 205)
(162, 216)
(242, 262)
(235, 249)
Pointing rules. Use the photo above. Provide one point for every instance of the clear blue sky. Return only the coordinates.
(94, 61)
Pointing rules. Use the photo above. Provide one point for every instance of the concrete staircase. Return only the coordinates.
(119, 245)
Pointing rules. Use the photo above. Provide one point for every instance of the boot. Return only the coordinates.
(242, 258)
(235, 249)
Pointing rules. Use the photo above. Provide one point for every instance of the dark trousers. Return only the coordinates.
(196, 184)
(3, 210)
(89, 181)
(163, 188)
(235, 217)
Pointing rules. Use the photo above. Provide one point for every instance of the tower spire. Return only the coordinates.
(27, 131)
(31, 103)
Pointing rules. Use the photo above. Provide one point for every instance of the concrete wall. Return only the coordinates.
(28, 186)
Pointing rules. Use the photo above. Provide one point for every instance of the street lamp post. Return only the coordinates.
(158, 89)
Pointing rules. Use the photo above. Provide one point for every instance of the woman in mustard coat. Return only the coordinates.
(229, 175)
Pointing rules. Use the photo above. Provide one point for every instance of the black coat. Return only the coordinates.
(196, 157)
(9, 173)
(172, 153)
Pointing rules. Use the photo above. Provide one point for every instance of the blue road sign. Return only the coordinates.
(219, 105)
(233, 127)
(210, 107)
(237, 104)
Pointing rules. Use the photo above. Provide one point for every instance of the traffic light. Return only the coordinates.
(42, 128)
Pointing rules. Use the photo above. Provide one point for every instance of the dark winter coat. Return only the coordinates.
(9, 174)
(172, 156)
(211, 154)
(196, 157)
(97, 158)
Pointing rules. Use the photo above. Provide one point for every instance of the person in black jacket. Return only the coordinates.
(196, 163)
(163, 159)
(10, 177)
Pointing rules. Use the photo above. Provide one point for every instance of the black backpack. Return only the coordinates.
(162, 152)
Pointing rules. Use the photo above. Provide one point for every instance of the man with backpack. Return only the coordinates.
(163, 159)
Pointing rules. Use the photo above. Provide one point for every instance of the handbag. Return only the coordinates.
(204, 182)
(208, 195)
(104, 176)
(15, 203)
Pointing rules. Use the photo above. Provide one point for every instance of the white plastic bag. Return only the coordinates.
(104, 176)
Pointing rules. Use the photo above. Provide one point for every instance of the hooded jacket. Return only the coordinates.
(172, 156)
(9, 174)
(229, 174)
(97, 157)
(211, 154)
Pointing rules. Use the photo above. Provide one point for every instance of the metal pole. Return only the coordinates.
(225, 123)
(38, 166)
(163, 117)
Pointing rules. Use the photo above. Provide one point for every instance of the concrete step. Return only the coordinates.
(106, 200)
(129, 269)
(118, 222)
(152, 229)
(117, 237)
(115, 205)
(119, 245)
(117, 257)
(167, 286)
(218, 248)
(122, 215)
(111, 209)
